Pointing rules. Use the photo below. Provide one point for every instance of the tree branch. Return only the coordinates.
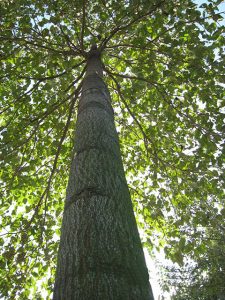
(46, 191)
(120, 28)
(132, 77)
(83, 25)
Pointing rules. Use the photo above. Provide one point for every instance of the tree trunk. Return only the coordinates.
(100, 255)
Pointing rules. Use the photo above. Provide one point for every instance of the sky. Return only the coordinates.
(221, 8)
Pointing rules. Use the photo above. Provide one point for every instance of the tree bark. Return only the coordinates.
(100, 254)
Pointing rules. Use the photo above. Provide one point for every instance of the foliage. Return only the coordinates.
(203, 278)
(163, 63)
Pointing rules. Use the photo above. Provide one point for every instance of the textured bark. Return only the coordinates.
(100, 255)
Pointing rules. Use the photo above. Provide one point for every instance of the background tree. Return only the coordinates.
(164, 68)
(202, 277)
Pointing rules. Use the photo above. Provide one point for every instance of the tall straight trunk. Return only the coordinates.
(100, 255)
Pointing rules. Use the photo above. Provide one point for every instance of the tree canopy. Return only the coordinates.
(163, 63)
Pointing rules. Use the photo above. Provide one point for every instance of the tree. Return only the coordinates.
(163, 66)
(99, 236)
(203, 278)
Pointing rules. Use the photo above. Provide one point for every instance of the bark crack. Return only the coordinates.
(95, 104)
(95, 76)
(85, 193)
(99, 90)
(100, 149)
